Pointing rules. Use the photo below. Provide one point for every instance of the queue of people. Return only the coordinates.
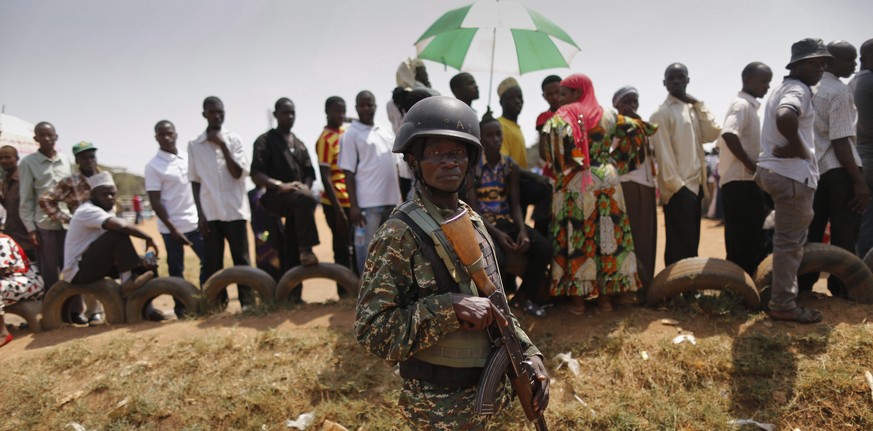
(594, 199)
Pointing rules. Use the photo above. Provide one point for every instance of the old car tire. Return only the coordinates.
(702, 273)
(342, 275)
(30, 311)
(819, 257)
(180, 289)
(258, 280)
(107, 291)
(868, 259)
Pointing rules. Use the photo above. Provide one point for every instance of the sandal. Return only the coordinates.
(529, 307)
(798, 314)
(6, 340)
(308, 258)
(604, 304)
(574, 309)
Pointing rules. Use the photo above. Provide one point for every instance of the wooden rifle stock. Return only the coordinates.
(508, 357)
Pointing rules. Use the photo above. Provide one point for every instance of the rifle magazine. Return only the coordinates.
(489, 383)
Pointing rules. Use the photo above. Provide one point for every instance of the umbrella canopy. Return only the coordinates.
(17, 133)
(501, 36)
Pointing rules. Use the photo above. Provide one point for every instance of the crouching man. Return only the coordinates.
(416, 304)
(98, 243)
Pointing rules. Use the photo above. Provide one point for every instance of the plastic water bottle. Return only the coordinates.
(150, 258)
(360, 236)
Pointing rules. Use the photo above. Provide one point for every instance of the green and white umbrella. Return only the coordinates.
(496, 36)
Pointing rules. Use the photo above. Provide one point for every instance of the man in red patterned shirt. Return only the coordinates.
(334, 198)
(73, 190)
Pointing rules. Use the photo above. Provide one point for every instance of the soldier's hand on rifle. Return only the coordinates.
(541, 388)
(476, 313)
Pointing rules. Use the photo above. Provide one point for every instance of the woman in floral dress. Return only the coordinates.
(588, 149)
(18, 281)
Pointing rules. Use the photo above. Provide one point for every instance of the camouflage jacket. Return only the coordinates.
(391, 320)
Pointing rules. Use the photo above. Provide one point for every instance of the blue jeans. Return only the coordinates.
(176, 253)
(865, 237)
(374, 217)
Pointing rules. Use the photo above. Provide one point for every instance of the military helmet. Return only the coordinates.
(438, 116)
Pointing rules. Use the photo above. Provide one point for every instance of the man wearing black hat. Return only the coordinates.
(841, 195)
(862, 85)
(787, 170)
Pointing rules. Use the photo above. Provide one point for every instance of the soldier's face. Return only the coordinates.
(444, 164)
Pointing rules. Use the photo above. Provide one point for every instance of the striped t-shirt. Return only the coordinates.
(327, 149)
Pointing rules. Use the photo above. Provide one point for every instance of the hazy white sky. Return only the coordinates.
(106, 71)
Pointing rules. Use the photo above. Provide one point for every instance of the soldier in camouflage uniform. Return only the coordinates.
(415, 306)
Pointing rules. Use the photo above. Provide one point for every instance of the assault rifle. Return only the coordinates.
(507, 358)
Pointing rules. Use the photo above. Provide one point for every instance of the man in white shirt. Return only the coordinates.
(744, 202)
(684, 126)
(464, 88)
(217, 168)
(787, 170)
(863, 95)
(98, 243)
(842, 195)
(371, 174)
(166, 182)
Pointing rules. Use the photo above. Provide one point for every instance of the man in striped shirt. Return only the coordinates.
(842, 194)
(334, 198)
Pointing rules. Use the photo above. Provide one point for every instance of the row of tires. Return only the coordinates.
(687, 275)
(48, 313)
(702, 273)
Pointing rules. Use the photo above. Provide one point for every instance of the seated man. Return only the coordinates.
(98, 243)
(18, 281)
(495, 196)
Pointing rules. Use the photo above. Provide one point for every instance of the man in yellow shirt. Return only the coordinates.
(535, 189)
(512, 101)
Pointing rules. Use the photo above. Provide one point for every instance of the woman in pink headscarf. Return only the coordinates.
(594, 253)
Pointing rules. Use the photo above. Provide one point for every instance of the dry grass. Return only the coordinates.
(812, 381)
(239, 379)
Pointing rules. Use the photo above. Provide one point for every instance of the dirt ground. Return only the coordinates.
(680, 387)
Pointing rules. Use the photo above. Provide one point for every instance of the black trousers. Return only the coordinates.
(237, 236)
(298, 209)
(342, 252)
(682, 223)
(108, 256)
(538, 257)
(744, 212)
(831, 204)
(535, 190)
(642, 213)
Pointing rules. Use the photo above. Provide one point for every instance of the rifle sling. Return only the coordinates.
(412, 368)
(444, 281)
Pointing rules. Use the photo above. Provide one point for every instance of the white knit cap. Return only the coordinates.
(100, 179)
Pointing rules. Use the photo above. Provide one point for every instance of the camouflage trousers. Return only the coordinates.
(429, 407)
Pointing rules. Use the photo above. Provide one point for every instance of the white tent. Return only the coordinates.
(17, 133)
